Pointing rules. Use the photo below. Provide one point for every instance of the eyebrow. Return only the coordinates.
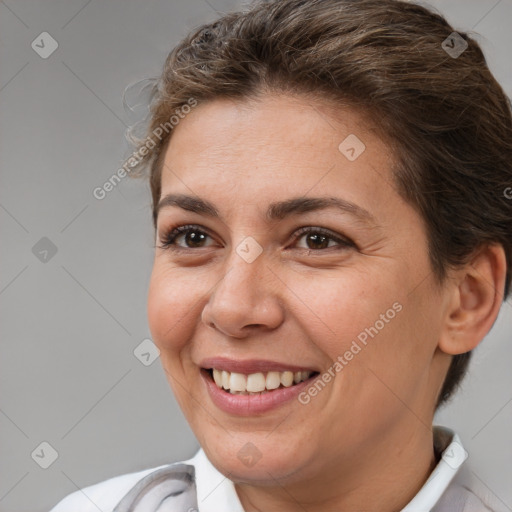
(276, 211)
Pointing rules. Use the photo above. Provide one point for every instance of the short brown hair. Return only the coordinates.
(445, 117)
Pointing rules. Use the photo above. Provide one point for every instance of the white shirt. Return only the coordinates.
(216, 493)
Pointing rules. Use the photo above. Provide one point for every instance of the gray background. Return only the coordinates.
(70, 324)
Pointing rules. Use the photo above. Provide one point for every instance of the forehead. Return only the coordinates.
(281, 121)
(275, 147)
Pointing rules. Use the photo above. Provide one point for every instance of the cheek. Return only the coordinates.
(341, 308)
(170, 303)
(370, 316)
(398, 350)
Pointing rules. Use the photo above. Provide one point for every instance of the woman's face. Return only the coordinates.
(247, 286)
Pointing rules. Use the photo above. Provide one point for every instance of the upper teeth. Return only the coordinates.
(257, 382)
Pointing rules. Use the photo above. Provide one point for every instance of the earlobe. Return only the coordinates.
(475, 301)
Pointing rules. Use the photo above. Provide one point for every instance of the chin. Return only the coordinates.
(253, 458)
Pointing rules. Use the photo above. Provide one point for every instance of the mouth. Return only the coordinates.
(253, 387)
(258, 383)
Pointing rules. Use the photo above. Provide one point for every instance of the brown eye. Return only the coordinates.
(191, 235)
(318, 239)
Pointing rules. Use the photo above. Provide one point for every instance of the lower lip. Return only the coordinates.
(249, 405)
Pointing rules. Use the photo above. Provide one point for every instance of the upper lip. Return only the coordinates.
(249, 366)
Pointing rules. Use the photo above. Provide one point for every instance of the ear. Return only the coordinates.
(474, 301)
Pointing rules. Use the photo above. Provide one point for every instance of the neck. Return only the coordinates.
(383, 479)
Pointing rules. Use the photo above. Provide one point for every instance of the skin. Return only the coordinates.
(365, 441)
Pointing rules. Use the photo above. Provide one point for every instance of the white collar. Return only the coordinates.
(453, 456)
(216, 492)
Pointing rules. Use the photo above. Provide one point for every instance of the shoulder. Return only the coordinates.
(468, 493)
(474, 494)
(104, 495)
(458, 498)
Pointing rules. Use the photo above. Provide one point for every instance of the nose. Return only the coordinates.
(247, 298)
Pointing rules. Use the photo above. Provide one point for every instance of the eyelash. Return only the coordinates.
(169, 238)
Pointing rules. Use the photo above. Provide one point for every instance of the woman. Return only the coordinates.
(333, 239)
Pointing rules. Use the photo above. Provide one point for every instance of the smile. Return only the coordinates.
(256, 383)
(252, 387)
